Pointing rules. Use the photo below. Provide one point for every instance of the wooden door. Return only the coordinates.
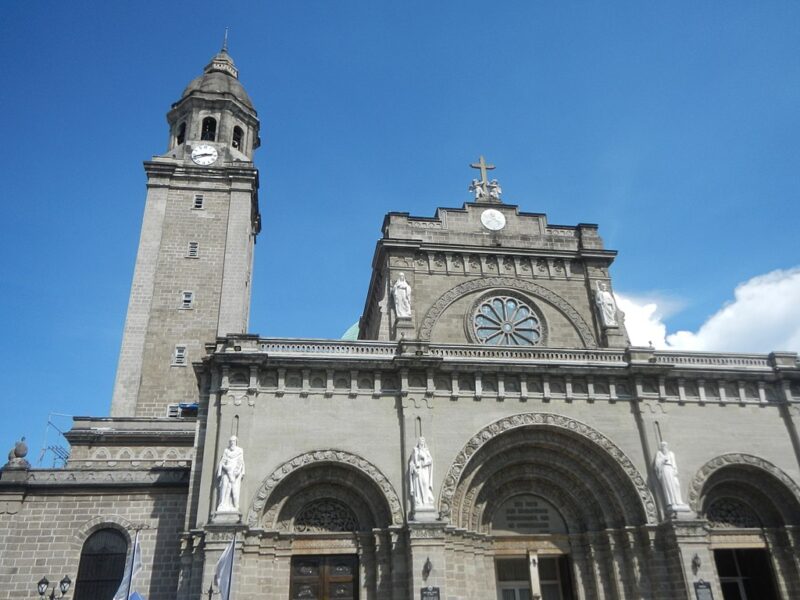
(333, 577)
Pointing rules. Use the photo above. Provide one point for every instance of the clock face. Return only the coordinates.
(493, 219)
(204, 155)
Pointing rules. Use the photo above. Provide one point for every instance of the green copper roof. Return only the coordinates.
(352, 333)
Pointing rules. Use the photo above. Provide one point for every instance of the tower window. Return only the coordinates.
(238, 136)
(209, 130)
(181, 137)
(198, 201)
(194, 250)
(179, 356)
(187, 299)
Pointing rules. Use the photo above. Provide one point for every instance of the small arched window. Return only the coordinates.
(238, 136)
(209, 130)
(181, 137)
(102, 565)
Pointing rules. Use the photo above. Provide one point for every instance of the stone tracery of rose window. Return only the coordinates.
(506, 321)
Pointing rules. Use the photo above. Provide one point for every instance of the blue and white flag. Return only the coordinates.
(132, 567)
(223, 572)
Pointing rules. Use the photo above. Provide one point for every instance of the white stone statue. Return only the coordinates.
(476, 187)
(420, 476)
(494, 189)
(667, 471)
(401, 292)
(230, 473)
(606, 305)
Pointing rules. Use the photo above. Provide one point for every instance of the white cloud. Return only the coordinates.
(763, 316)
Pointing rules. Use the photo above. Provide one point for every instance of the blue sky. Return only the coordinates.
(675, 126)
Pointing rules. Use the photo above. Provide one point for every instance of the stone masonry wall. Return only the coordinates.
(45, 536)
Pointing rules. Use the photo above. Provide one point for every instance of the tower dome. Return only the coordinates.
(220, 76)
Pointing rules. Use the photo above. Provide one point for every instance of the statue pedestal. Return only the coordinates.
(614, 337)
(224, 517)
(403, 328)
(425, 515)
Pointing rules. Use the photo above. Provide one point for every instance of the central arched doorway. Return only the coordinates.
(329, 515)
(562, 507)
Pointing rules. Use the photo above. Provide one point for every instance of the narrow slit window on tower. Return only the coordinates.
(194, 250)
(198, 201)
(181, 137)
(179, 356)
(187, 299)
(209, 130)
(238, 135)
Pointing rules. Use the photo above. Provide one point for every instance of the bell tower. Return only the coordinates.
(191, 281)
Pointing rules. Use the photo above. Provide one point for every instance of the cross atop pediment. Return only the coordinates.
(485, 190)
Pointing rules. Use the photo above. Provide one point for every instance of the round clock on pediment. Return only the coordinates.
(204, 155)
(493, 219)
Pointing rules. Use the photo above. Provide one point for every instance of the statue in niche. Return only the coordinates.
(606, 305)
(420, 475)
(494, 189)
(667, 472)
(230, 473)
(476, 187)
(401, 293)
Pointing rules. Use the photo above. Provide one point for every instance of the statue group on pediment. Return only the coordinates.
(481, 190)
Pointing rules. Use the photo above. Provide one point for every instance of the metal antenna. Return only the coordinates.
(225, 41)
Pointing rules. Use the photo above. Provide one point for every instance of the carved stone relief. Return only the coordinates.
(325, 516)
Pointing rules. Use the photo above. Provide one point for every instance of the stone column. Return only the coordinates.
(400, 558)
(695, 556)
(427, 543)
(582, 575)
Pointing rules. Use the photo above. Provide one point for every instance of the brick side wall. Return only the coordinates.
(45, 537)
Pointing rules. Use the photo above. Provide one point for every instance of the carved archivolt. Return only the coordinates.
(508, 283)
(364, 467)
(551, 470)
(546, 421)
(696, 489)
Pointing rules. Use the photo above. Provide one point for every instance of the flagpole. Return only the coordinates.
(233, 556)
(133, 559)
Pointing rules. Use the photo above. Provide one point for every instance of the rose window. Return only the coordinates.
(506, 321)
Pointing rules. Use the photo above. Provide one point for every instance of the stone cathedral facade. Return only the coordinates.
(490, 434)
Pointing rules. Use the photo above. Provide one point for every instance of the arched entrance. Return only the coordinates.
(753, 511)
(559, 502)
(331, 514)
